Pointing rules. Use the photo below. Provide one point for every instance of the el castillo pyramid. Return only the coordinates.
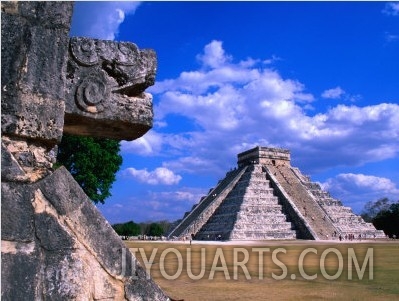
(266, 198)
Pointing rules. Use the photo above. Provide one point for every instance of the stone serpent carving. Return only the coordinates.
(88, 52)
(91, 92)
(98, 68)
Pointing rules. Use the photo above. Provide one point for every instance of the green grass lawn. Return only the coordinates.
(251, 279)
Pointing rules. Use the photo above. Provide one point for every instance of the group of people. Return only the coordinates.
(352, 237)
(349, 237)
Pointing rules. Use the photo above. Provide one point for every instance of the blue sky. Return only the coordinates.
(318, 78)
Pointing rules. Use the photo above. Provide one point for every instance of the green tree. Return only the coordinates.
(155, 229)
(127, 229)
(371, 209)
(93, 162)
(388, 220)
(165, 225)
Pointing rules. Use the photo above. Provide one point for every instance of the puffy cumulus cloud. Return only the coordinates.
(334, 93)
(214, 55)
(160, 175)
(350, 135)
(100, 20)
(391, 9)
(236, 105)
(357, 189)
(149, 144)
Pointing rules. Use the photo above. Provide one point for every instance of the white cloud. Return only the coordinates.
(334, 93)
(214, 55)
(339, 93)
(160, 175)
(232, 105)
(357, 189)
(391, 9)
(149, 144)
(100, 19)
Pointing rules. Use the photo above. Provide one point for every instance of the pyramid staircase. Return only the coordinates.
(250, 211)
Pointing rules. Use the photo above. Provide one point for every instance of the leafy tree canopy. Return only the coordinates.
(371, 209)
(384, 214)
(93, 162)
(155, 230)
(147, 228)
(388, 220)
(127, 229)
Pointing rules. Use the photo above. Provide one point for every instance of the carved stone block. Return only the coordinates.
(105, 83)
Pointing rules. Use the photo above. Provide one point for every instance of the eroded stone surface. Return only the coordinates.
(26, 161)
(55, 243)
(34, 45)
(67, 252)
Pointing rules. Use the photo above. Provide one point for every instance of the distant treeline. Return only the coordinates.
(384, 214)
(131, 228)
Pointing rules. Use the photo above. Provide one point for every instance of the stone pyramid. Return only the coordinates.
(265, 198)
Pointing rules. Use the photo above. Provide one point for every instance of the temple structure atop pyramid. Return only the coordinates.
(266, 198)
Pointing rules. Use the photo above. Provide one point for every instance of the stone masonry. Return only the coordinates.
(269, 199)
(55, 244)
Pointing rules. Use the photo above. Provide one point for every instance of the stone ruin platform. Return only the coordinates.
(266, 198)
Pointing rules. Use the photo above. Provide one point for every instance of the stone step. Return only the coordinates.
(264, 216)
(265, 227)
(251, 198)
(247, 209)
(263, 235)
(254, 190)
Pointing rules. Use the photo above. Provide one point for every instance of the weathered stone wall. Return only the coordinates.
(34, 42)
(55, 244)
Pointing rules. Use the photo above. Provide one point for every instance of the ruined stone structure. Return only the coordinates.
(55, 244)
(266, 198)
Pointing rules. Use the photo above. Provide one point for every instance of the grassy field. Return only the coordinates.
(236, 271)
